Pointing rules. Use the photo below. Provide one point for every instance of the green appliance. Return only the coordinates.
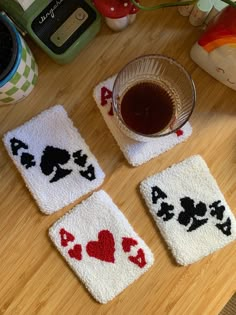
(60, 27)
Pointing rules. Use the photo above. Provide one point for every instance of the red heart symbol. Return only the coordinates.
(104, 248)
(139, 259)
(127, 243)
(76, 252)
(179, 132)
(66, 237)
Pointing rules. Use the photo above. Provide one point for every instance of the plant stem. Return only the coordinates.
(233, 4)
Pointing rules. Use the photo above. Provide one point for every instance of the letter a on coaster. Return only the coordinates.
(189, 210)
(53, 159)
(101, 247)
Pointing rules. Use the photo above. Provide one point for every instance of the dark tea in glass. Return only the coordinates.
(147, 108)
(152, 96)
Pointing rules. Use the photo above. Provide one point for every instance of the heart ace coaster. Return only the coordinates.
(101, 247)
(189, 210)
(134, 151)
(53, 159)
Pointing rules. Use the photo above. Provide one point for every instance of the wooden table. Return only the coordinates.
(34, 278)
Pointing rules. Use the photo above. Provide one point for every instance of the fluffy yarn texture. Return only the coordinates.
(53, 159)
(101, 247)
(189, 210)
(134, 151)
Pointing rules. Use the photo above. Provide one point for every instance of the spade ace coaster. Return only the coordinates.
(189, 210)
(53, 159)
(134, 151)
(101, 247)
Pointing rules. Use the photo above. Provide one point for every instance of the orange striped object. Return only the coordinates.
(222, 31)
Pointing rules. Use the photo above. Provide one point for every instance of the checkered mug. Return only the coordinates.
(19, 81)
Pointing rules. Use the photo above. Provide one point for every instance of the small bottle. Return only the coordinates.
(200, 12)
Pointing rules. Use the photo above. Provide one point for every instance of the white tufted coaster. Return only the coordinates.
(189, 210)
(134, 151)
(53, 159)
(101, 247)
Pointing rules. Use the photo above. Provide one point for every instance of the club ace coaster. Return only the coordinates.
(53, 159)
(101, 247)
(135, 152)
(189, 210)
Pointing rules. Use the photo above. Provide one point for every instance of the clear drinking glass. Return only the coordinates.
(162, 75)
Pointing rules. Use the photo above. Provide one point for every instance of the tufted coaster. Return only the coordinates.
(134, 151)
(101, 247)
(53, 159)
(190, 210)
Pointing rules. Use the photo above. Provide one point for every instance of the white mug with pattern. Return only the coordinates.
(18, 69)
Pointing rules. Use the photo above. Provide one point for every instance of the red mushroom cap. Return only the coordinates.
(133, 8)
(115, 9)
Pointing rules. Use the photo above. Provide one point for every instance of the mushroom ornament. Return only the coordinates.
(118, 13)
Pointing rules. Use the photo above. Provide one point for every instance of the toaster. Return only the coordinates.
(62, 28)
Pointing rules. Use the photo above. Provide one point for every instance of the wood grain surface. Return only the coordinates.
(34, 277)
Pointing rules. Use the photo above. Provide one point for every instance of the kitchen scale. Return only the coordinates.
(60, 27)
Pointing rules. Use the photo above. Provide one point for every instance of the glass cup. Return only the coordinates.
(153, 96)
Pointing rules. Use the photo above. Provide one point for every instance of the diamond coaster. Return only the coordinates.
(53, 159)
(101, 247)
(135, 152)
(190, 210)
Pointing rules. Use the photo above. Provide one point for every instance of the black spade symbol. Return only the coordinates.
(89, 173)
(27, 160)
(51, 162)
(80, 158)
(225, 227)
